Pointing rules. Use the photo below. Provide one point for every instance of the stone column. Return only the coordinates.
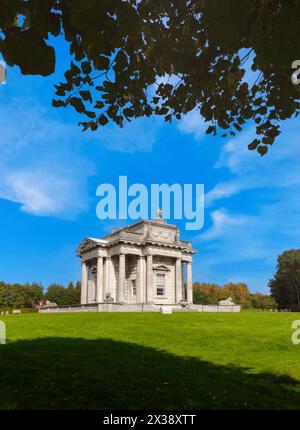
(140, 278)
(182, 281)
(189, 282)
(149, 287)
(84, 281)
(106, 276)
(99, 293)
(121, 282)
(178, 280)
(144, 280)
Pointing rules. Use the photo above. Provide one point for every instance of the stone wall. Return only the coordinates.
(116, 307)
(79, 308)
(217, 308)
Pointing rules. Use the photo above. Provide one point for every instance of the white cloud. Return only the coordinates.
(41, 168)
(222, 223)
(220, 191)
(254, 215)
(237, 237)
(42, 192)
(279, 168)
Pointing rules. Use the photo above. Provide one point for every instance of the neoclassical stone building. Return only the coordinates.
(143, 263)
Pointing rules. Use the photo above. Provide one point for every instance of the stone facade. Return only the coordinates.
(143, 263)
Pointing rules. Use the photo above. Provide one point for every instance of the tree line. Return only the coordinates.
(284, 289)
(211, 293)
(33, 295)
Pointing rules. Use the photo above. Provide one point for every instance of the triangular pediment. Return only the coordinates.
(90, 243)
(161, 267)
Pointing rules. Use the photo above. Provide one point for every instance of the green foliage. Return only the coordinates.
(30, 296)
(206, 293)
(33, 295)
(200, 297)
(63, 296)
(262, 301)
(74, 292)
(285, 286)
(20, 296)
(119, 51)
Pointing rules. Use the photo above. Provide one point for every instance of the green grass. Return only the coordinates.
(144, 361)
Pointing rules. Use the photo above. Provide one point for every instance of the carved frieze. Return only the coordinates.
(161, 234)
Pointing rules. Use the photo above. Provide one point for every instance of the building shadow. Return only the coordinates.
(74, 373)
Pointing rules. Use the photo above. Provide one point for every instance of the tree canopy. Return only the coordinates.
(23, 296)
(285, 286)
(120, 51)
(56, 293)
(32, 295)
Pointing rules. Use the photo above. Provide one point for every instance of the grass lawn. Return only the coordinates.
(142, 361)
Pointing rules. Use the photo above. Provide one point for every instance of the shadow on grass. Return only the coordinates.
(66, 373)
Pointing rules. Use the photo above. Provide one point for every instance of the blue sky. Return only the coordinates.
(49, 172)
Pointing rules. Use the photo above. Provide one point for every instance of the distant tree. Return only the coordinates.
(285, 286)
(3, 293)
(120, 51)
(75, 292)
(207, 293)
(20, 296)
(63, 296)
(246, 302)
(11, 295)
(238, 292)
(33, 294)
(199, 297)
(71, 286)
(262, 301)
(214, 291)
(56, 293)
